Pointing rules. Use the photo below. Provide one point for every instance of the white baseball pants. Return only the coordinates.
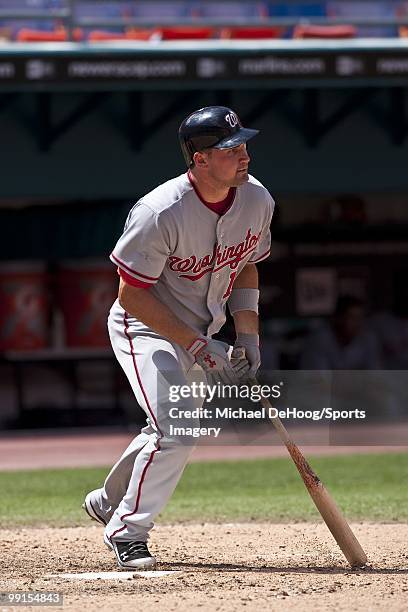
(141, 482)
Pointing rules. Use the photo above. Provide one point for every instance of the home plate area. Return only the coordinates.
(225, 567)
(114, 575)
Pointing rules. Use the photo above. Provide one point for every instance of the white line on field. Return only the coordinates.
(114, 575)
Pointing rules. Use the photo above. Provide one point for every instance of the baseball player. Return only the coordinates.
(188, 248)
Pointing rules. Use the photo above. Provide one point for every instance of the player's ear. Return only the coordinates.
(200, 159)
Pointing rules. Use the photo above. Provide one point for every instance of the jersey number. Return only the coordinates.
(230, 285)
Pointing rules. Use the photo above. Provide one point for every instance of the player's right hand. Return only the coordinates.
(212, 356)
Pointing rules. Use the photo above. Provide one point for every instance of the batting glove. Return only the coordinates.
(240, 364)
(250, 343)
(212, 356)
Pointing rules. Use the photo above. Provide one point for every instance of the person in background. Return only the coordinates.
(391, 327)
(343, 343)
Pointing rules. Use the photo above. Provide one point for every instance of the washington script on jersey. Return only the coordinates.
(220, 257)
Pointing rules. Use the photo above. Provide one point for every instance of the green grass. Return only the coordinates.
(371, 487)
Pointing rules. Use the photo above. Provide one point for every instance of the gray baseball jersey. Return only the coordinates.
(189, 254)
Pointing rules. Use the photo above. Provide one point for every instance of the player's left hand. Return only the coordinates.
(250, 343)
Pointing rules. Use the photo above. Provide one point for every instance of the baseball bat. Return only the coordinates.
(325, 504)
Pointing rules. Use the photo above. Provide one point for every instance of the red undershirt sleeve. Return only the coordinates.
(129, 280)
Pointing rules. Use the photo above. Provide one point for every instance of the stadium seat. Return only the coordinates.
(301, 11)
(232, 11)
(29, 35)
(184, 33)
(161, 12)
(5, 34)
(132, 34)
(252, 33)
(335, 31)
(58, 35)
(101, 36)
(305, 9)
(347, 10)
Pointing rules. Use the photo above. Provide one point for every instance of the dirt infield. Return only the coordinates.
(223, 567)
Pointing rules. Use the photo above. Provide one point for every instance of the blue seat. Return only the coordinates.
(161, 12)
(20, 6)
(231, 10)
(303, 10)
(31, 6)
(314, 8)
(349, 9)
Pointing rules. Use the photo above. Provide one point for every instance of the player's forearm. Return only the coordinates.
(247, 321)
(247, 278)
(146, 307)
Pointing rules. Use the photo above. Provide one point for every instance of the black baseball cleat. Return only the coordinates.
(131, 555)
(91, 510)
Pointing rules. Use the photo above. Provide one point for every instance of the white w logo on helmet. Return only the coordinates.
(232, 119)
